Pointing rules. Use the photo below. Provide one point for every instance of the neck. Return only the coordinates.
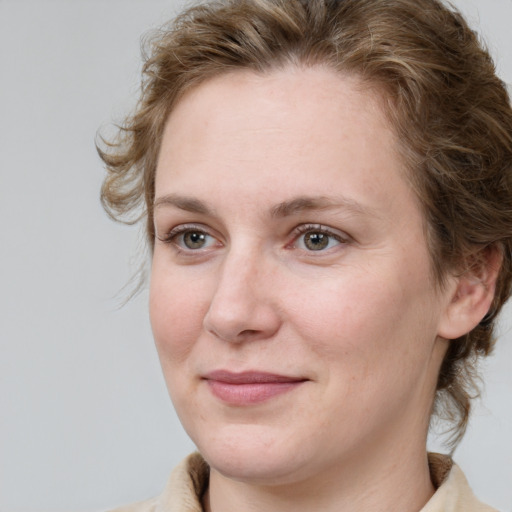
(398, 480)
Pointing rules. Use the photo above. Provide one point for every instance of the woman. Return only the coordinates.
(327, 188)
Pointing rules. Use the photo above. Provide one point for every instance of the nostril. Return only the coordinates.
(244, 335)
(248, 334)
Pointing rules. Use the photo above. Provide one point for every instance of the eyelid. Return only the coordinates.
(304, 228)
(338, 235)
(171, 235)
(180, 229)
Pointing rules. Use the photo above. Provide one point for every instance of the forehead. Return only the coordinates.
(279, 133)
(306, 98)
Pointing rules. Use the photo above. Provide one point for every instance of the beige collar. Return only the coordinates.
(189, 480)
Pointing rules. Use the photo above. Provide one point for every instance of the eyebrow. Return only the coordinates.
(189, 204)
(307, 203)
(294, 206)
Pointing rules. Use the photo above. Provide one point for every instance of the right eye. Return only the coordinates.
(190, 238)
(194, 240)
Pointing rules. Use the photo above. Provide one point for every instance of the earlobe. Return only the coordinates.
(471, 295)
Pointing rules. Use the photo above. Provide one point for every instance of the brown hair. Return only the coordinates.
(451, 114)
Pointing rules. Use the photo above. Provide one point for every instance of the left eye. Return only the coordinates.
(315, 240)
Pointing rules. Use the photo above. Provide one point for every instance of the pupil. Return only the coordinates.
(194, 240)
(316, 241)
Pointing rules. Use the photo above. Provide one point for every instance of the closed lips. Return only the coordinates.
(250, 377)
(248, 388)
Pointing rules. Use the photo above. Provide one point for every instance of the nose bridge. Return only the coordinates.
(241, 306)
(237, 279)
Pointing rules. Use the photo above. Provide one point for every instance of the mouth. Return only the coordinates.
(251, 387)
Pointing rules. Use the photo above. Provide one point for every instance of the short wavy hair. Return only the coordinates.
(450, 112)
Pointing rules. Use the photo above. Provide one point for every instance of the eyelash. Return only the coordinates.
(318, 228)
(181, 230)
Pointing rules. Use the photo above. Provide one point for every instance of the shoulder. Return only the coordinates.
(183, 491)
(141, 506)
(453, 491)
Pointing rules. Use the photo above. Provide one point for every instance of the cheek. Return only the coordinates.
(176, 310)
(344, 309)
(372, 340)
(368, 324)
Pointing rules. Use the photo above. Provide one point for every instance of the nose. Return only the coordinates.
(242, 307)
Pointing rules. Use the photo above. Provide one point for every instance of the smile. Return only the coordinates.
(249, 387)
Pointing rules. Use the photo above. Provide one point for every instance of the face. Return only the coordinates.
(291, 295)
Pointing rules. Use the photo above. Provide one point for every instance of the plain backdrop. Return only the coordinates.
(85, 421)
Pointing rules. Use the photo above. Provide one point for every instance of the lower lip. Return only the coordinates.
(250, 393)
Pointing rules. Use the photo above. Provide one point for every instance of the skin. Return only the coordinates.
(255, 167)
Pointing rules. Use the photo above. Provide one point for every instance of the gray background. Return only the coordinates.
(85, 421)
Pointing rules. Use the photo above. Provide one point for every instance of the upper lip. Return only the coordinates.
(249, 377)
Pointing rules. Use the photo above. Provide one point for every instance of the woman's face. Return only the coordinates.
(291, 295)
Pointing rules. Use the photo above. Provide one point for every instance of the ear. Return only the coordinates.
(470, 295)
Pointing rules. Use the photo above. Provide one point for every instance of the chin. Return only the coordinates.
(252, 453)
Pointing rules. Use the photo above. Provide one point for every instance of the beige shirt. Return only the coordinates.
(189, 480)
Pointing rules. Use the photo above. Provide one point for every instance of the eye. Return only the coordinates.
(194, 239)
(317, 238)
(190, 238)
(315, 241)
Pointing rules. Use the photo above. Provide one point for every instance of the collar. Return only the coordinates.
(189, 480)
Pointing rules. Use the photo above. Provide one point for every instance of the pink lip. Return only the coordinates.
(248, 388)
